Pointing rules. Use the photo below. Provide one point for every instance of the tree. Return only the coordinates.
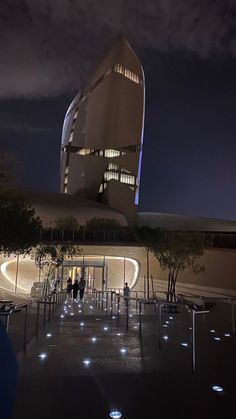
(100, 224)
(69, 223)
(19, 227)
(175, 251)
(50, 257)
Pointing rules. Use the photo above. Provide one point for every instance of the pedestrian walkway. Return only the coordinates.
(86, 364)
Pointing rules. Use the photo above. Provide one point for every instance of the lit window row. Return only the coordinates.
(119, 68)
(113, 166)
(111, 175)
(130, 180)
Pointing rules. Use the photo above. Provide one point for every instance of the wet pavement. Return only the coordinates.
(86, 364)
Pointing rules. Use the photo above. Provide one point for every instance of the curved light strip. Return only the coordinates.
(3, 269)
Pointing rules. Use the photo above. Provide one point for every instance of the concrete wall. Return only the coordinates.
(220, 266)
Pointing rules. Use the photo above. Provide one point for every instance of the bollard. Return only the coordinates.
(25, 329)
(112, 302)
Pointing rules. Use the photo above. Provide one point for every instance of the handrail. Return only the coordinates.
(51, 300)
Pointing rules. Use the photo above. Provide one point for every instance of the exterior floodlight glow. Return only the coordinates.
(105, 328)
(217, 339)
(118, 334)
(165, 337)
(82, 324)
(93, 339)
(49, 335)
(218, 389)
(227, 335)
(42, 355)
(184, 344)
(80, 311)
(123, 350)
(91, 307)
(165, 325)
(62, 316)
(72, 314)
(86, 362)
(131, 315)
(167, 322)
(212, 331)
(69, 306)
(113, 317)
(105, 309)
(115, 414)
(171, 318)
(135, 327)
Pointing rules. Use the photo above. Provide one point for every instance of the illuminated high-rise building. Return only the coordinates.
(102, 134)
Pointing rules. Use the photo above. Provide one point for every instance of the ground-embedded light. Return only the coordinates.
(43, 355)
(115, 414)
(218, 389)
(86, 362)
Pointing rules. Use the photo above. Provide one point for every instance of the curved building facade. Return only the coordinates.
(102, 134)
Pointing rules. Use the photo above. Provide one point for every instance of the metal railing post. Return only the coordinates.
(25, 329)
(140, 317)
(44, 311)
(37, 319)
(127, 314)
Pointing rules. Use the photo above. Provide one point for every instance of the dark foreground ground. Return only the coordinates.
(144, 381)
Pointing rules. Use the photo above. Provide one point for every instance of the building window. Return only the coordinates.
(119, 68)
(112, 153)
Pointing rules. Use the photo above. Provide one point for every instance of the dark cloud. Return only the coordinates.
(49, 46)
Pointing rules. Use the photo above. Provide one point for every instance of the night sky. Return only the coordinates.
(188, 51)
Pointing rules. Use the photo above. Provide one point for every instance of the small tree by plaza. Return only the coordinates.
(69, 223)
(175, 251)
(50, 257)
(101, 224)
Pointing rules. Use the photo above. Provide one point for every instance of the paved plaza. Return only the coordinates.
(86, 364)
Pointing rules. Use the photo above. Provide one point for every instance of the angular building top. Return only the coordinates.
(103, 133)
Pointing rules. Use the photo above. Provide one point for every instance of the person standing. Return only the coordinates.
(82, 284)
(126, 292)
(75, 288)
(69, 287)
